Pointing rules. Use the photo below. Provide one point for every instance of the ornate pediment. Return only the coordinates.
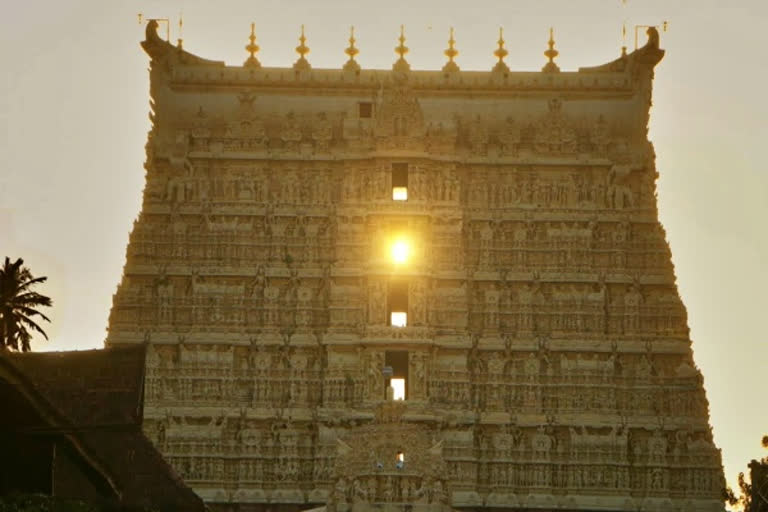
(399, 118)
(389, 463)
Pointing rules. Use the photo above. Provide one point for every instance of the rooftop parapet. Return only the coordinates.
(619, 74)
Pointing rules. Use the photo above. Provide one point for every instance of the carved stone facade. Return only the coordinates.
(549, 363)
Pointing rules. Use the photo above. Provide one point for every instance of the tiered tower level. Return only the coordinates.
(545, 352)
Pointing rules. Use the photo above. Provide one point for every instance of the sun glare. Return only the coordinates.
(400, 193)
(400, 251)
(399, 319)
(399, 386)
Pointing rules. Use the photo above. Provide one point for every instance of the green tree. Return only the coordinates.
(19, 305)
(754, 494)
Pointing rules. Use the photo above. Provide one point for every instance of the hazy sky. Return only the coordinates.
(73, 123)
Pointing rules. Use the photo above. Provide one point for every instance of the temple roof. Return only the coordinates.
(94, 398)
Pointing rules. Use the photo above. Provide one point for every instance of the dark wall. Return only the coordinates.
(26, 464)
(38, 458)
(73, 479)
(27, 454)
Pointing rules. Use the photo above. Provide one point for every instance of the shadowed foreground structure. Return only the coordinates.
(70, 427)
(488, 241)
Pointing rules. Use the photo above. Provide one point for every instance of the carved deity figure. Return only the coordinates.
(478, 136)
(601, 135)
(340, 491)
(417, 303)
(632, 300)
(418, 384)
(377, 304)
(541, 442)
(322, 133)
(164, 289)
(532, 366)
(291, 132)
(399, 118)
(375, 376)
(619, 192)
(510, 137)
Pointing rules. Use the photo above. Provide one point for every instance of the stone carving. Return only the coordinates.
(389, 462)
(322, 133)
(555, 133)
(510, 137)
(546, 353)
(291, 134)
(399, 118)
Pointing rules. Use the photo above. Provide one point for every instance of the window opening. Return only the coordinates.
(398, 386)
(400, 182)
(398, 319)
(398, 361)
(365, 110)
(397, 303)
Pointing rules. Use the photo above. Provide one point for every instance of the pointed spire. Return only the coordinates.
(252, 48)
(302, 50)
(401, 50)
(551, 53)
(451, 53)
(624, 39)
(500, 53)
(351, 51)
(180, 40)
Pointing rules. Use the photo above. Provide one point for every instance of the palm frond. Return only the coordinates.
(31, 282)
(31, 323)
(32, 299)
(18, 305)
(29, 312)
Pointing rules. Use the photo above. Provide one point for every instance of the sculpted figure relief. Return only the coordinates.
(399, 118)
(291, 132)
(554, 133)
(619, 192)
(322, 133)
(600, 135)
(510, 137)
(376, 303)
(477, 133)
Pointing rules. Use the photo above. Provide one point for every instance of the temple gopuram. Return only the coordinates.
(412, 290)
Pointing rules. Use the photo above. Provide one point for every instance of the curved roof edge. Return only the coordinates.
(648, 55)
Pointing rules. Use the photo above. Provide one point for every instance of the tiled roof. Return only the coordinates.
(99, 394)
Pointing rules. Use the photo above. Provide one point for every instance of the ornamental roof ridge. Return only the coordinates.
(158, 49)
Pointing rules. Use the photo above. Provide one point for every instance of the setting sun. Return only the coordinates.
(400, 251)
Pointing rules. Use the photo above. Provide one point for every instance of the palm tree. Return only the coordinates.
(17, 305)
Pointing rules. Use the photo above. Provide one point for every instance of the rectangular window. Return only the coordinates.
(400, 182)
(398, 386)
(397, 303)
(365, 110)
(398, 361)
(398, 319)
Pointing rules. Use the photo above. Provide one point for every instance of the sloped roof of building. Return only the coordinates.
(97, 399)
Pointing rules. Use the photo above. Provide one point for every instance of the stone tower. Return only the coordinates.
(485, 244)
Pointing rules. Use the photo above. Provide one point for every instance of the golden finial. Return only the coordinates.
(551, 53)
(180, 44)
(351, 64)
(624, 39)
(500, 53)
(401, 50)
(451, 53)
(302, 50)
(252, 48)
